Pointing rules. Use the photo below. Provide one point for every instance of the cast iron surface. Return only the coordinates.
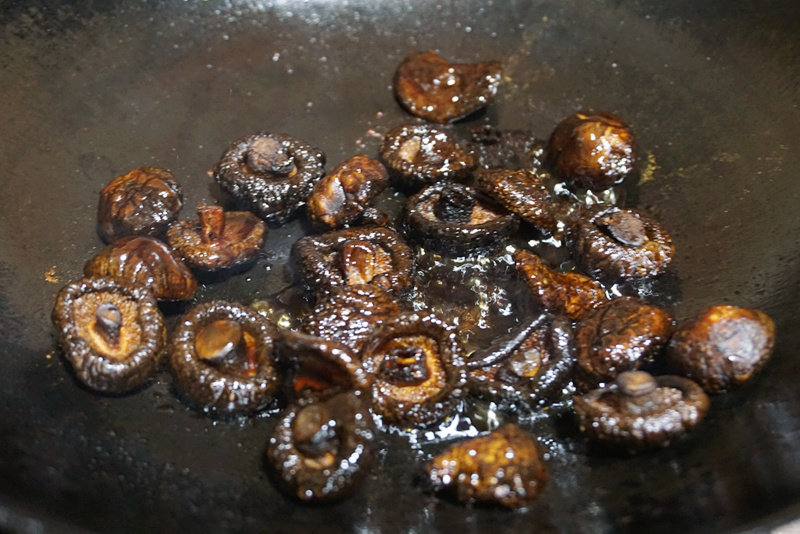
(90, 90)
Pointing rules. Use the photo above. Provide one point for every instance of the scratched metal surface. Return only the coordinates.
(89, 90)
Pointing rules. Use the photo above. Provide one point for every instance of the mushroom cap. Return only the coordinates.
(610, 415)
(593, 150)
(327, 477)
(420, 154)
(504, 467)
(417, 404)
(139, 314)
(434, 89)
(486, 227)
(144, 201)
(723, 347)
(602, 254)
(213, 389)
(147, 262)
(274, 196)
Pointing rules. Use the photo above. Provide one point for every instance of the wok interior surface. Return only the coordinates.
(90, 90)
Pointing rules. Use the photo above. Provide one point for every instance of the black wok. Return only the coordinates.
(89, 90)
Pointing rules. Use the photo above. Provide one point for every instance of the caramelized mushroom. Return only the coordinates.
(620, 335)
(318, 368)
(592, 150)
(640, 411)
(570, 294)
(530, 365)
(355, 256)
(270, 174)
(430, 87)
(221, 357)
(341, 197)
(620, 244)
(516, 150)
(111, 333)
(504, 467)
(523, 193)
(218, 239)
(723, 347)
(143, 202)
(321, 451)
(349, 314)
(417, 369)
(147, 262)
(419, 154)
(449, 218)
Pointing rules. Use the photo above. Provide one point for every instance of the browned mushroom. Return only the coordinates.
(111, 333)
(221, 355)
(321, 451)
(144, 201)
(147, 262)
(341, 197)
(516, 150)
(620, 335)
(532, 364)
(417, 369)
(430, 87)
(504, 467)
(640, 411)
(570, 294)
(523, 193)
(620, 244)
(419, 154)
(354, 256)
(270, 174)
(218, 239)
(593, 150)
(449, 218)
(723, 347)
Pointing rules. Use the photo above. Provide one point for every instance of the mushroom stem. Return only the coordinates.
(212, 222)
(358, 262)
(267, 154)
(108, 323)
(251, 357)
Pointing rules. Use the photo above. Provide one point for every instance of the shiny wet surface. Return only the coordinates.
(91, 91)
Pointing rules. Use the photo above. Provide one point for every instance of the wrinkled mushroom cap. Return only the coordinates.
(630, 414)
(141, 333)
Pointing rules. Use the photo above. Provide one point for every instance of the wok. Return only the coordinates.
(92, 89)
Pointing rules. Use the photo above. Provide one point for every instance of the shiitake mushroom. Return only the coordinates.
(218, 240)
(723, 347)
(420, 154)
(571, 294)
(111, 332)
(639, 411)
(317, 368)
(620, 335)
(620, 244)
(523, 193)
(451, 219)
(270, 174)
(341, 197)
(144, 201)
(221, 355)
(592, 150)
(531, 364)
(432, 88)
(354, 256)
(417, 370)
(349, 314)
(320, 451)
(504, 468)
(147, 262)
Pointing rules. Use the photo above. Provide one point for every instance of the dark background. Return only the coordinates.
(90, 90)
